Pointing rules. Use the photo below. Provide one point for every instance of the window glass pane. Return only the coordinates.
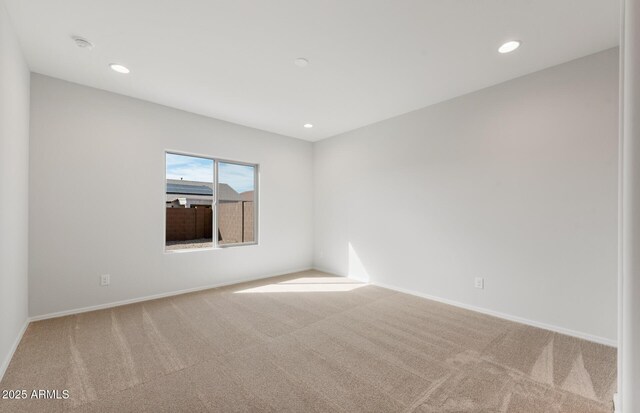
(189, 202)
(236, 206)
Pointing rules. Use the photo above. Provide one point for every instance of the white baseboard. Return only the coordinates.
(521, 320)
(156, 296)
(557, 329)
(7, 359)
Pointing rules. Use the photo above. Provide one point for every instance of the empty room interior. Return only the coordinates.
(320, 206)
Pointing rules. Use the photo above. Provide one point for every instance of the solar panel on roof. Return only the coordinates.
(189, 189)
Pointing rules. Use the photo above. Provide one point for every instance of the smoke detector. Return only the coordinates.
(82, 43)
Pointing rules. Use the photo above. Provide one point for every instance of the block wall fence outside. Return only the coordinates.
(249, 221)
(188, 223)
(235, 221)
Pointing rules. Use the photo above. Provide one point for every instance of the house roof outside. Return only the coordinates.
(226, 193)
(180, 187)
(204, 190)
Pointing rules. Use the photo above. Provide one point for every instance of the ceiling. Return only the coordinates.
(369, 59)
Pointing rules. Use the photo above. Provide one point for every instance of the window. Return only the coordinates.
(209, 202)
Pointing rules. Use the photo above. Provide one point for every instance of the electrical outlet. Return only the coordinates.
(479, 283)
(105, 279)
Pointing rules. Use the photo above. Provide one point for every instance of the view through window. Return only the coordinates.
(201, 189)
(236, 211)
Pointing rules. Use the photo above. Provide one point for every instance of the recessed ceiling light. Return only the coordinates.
(308, 125)
(301, 62)
(509, 46)
(82, 43)
(119, 68)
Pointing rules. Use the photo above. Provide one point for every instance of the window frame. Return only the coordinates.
(214, 205)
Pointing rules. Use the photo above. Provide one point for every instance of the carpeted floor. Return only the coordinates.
(305, 342)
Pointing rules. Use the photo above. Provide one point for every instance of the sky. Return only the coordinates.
(191, 168)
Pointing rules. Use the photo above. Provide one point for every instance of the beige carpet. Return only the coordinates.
(305, 342)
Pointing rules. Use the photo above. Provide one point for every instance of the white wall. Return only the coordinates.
(14, 191)
(97, 198)
(516, 183)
